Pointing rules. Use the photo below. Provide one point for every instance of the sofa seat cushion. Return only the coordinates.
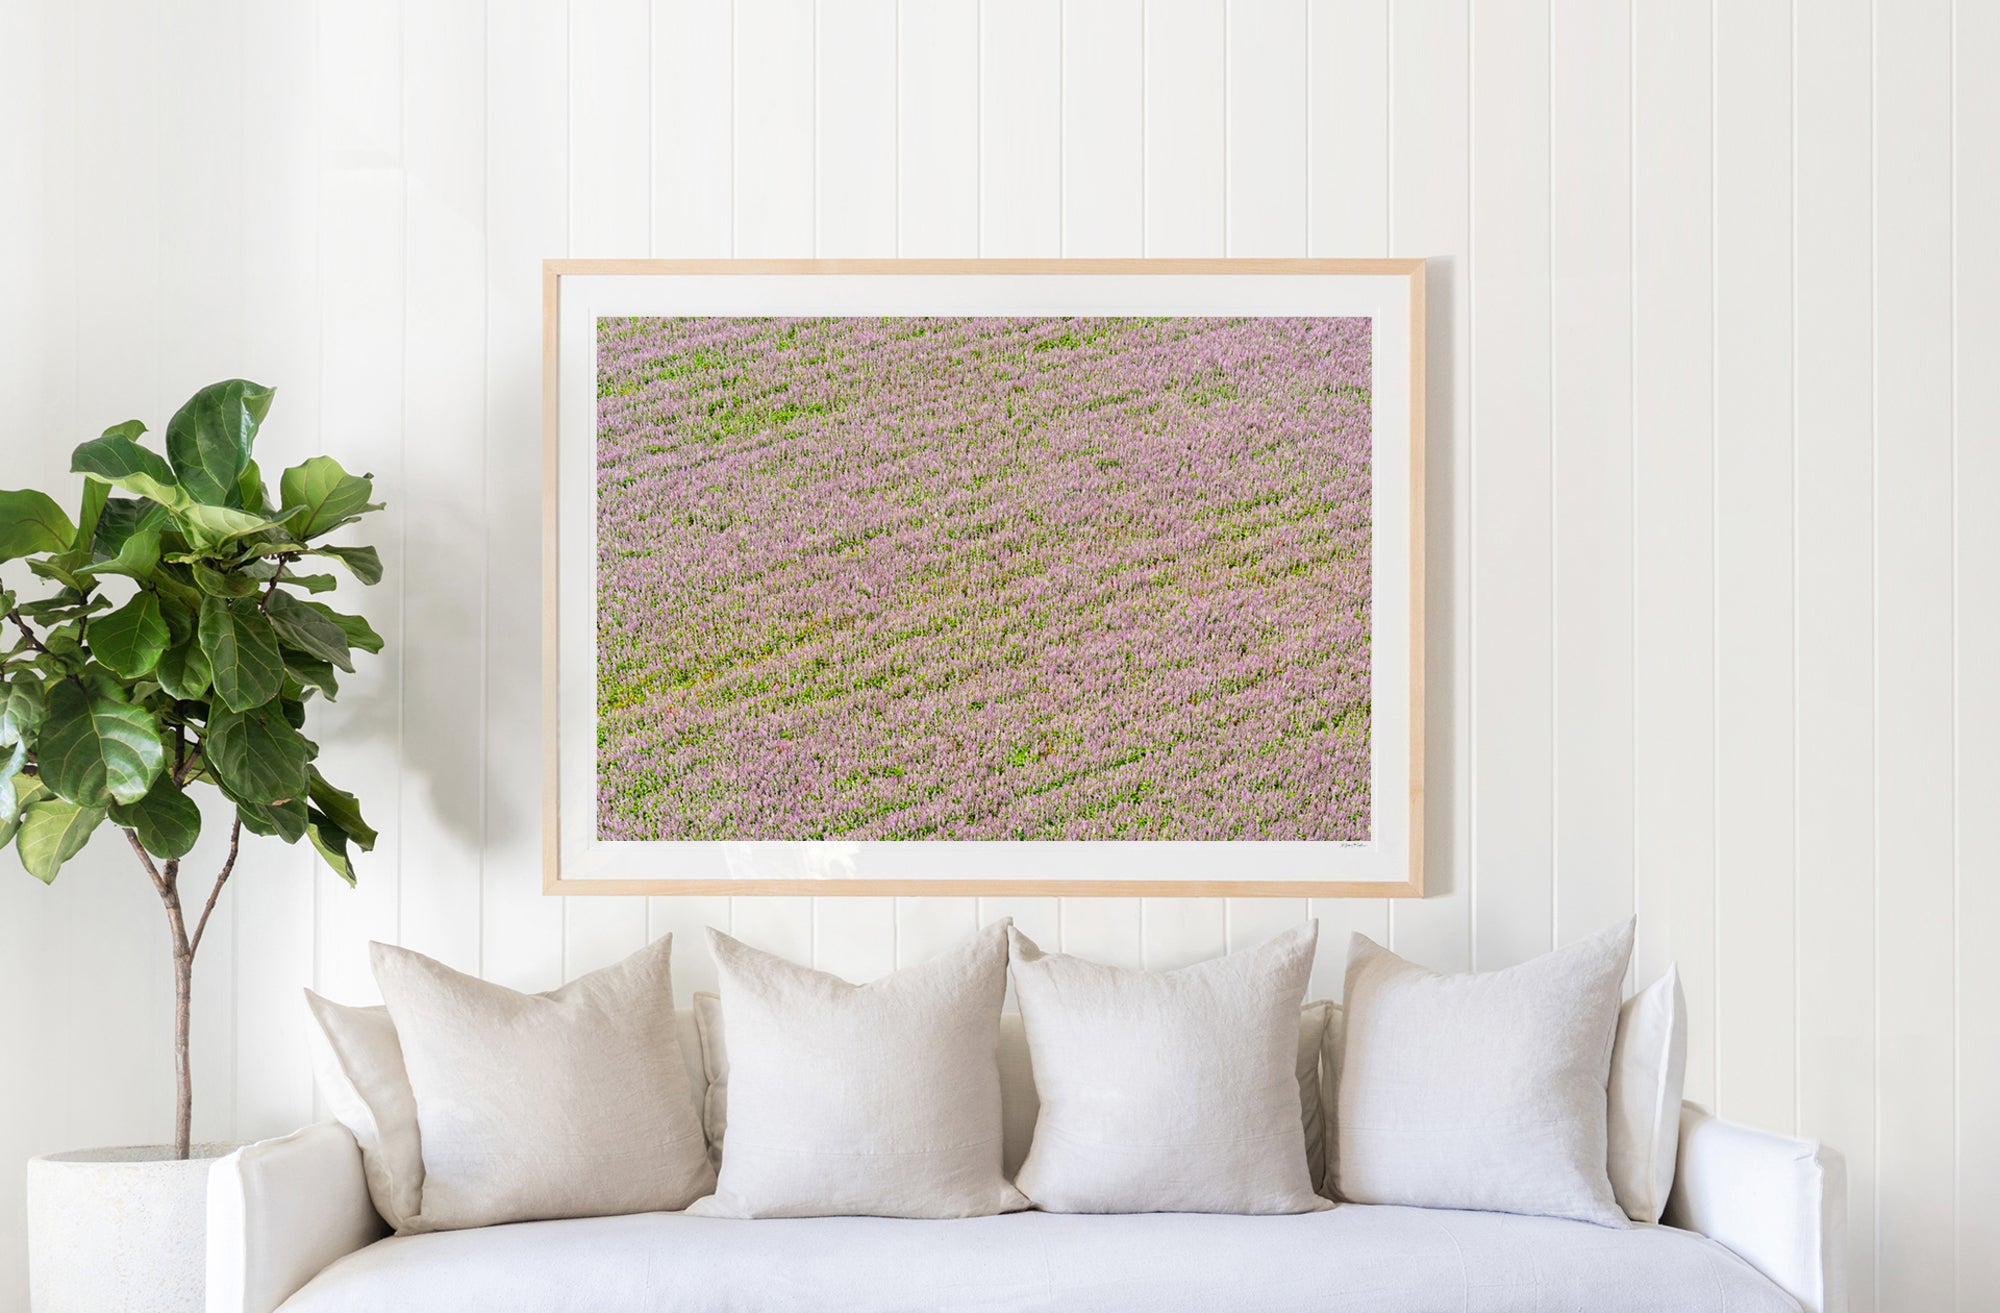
(1351, 1259)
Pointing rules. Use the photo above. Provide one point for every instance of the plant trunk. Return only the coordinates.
(170, 894)
(167, 883)
(183, 1015)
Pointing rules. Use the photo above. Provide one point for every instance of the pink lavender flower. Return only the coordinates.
(983, 578)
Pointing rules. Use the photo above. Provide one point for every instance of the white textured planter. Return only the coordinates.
(119, 1230)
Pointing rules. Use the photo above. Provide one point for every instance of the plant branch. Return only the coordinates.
(146, 860)
(195, 765)
(276, 574)
(228, 865)
(21, 622)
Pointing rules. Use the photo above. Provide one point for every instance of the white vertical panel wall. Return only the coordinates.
(1713, 446)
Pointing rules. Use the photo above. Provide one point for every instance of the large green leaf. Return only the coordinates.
(365, 564)
(67, 604)
(175, 585)
(331, 843)
(250, 487)
(130, 639)
(21, 709)
(312, 583)
(242, 651)
(180, 622)
(136, 556)
(222, 583)
(357, 630)
(343, 810)
(184, 671)
(22, 790)
(31, 522)
(100, 682)
(208, 439)
(94, 750)
(257, 754)
(53, 831)
(268, 545)
(11, 761)
(286, 820)
(166, 819)
(213, 526)
(302, 626)
(310, 673)
(95, 494)
(124, 516)
(123, 463)
(63, 659)
(62, 568)
(320, 496)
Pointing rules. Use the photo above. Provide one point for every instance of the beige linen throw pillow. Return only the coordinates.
(358, 1066)
(1018, 1105)
(878, 1100)
(568, 1104)
(1480, 1091)
(1172, 1091)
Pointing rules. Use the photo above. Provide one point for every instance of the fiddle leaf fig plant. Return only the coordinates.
(178, 647)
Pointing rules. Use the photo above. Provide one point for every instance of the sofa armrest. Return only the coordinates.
(281, 1210)
(1779, 1204)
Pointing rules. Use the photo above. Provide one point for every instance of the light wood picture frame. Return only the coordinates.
(580, 295)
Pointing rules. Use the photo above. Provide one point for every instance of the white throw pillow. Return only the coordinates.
(358, 1065)
(1648, 1079)
(862, 1100)
(1648, 1076)
(1173, 1091)
(1018, 1105)
(1333, 1041)
(1313, 1021)
(714, 1072)
(1481, 1091)
(568, 1104)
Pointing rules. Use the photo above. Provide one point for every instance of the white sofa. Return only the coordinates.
(1757, 1224)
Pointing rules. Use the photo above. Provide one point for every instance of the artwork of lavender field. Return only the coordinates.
(983, 578)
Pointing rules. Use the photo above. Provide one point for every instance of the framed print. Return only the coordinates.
(1075, 577)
